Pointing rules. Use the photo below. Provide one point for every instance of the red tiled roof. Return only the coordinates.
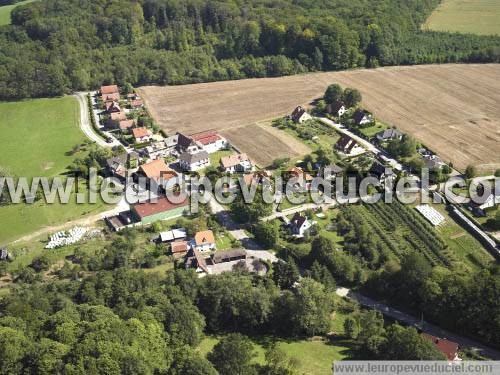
(448, 348)
(232, 160)
(118, 116)
(204, 237)
(179, 247)
(141, 132)
(206, 137)
(111, 89)
(156, 169)
(126, 124)
(299, 172)
(161, 205)
(136, 103)
(110, 97)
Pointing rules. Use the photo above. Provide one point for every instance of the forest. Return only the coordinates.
(98, 314)
(54, 47)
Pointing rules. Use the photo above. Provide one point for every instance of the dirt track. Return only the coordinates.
(453, 109)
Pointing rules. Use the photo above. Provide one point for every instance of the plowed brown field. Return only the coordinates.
(453, 109)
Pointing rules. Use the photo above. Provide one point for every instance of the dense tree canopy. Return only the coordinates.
(55, 46)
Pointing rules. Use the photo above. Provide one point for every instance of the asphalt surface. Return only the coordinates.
(425, 327)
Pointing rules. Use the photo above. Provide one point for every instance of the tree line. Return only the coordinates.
(55, 46)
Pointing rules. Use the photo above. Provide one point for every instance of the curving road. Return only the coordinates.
(408, 319)
(85, 124)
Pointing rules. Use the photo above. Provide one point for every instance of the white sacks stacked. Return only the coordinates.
(63, 238)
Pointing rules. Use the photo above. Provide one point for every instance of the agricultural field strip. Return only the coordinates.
(450, 108)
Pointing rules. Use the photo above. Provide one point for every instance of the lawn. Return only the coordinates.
(216, 156)
(371, 131)
(6, 10)
(313, 357)
(463, 244)
(326, 227)
(223, 241)
(36, 136)
(466, 16)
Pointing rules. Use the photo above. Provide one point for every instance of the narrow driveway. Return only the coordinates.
(363, 142)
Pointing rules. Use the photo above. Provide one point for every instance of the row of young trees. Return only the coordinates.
(55, 46)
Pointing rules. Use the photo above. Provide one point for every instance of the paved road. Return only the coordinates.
(293, 210)
(232, 227)
(85, 124)
(426, 327)
(363, 142)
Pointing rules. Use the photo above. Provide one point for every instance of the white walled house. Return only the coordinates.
(299, 225)
(300, 115)
(336, 108)
(239, 163)
(194, 161)
(210, 141)
(204, 241)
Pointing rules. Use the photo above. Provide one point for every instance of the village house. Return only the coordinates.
(173, 235)
(157, 150)
(389, 134)
(484, 203)
(196, 260)
(119, 165)
(171, 143)
(299, 225)
(204, 241)
(179, 248)
(136, 103)
(125, 125)
(110, 93)
(114, 120)
(229, 256)
(162, 209)
(336, 108)
(239, 163)
(141, 135)
(112, 107)
(361, 117)
(334, 170)
(447, 347)
(133, 96)
(194, 161)
(348, 146)
(185, 144)
(257, 177)
(209, 141)
(300, 115)
(156, 170)
(118, 222)
(432, 162)
(300, 178)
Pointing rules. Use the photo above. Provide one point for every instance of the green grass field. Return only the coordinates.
(6, 10)
(36, 135)
(466, 16)
(313, 357)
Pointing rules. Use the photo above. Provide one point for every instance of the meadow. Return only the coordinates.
(466, 16)
(36, 138)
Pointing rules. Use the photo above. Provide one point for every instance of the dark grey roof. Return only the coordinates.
(298, 220)
(193, 158)
(117, 160)
(228, 256)
(390, 133)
